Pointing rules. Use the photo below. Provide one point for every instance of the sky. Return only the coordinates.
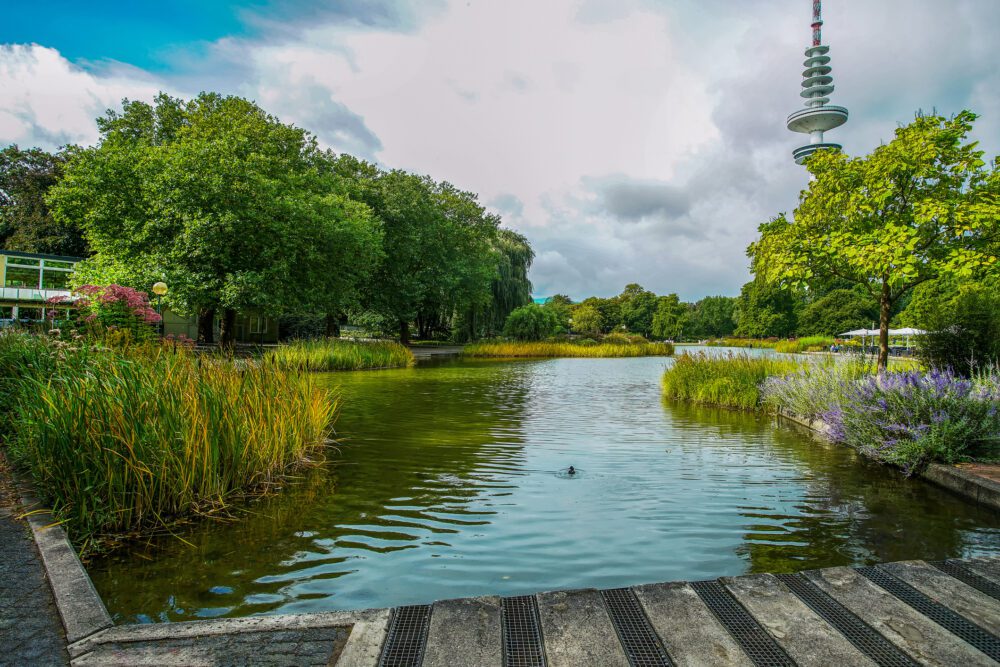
(629, 140)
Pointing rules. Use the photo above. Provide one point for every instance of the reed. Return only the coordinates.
(805, 344)
(123, 441)
(332, 354)
(548, 349)
(733, 381)
(742, 342)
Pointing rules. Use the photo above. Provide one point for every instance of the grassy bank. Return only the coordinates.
(547, 349)
(805, 344)
(742, 342)
(119, 441)
(733, 381)
(332, 354)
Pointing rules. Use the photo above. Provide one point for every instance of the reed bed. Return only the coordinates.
(123, 441)
(805, 344)
(333, 354)
(733, 381)
(548, 349)
(742, 342)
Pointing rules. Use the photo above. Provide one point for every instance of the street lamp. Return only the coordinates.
(159, 289)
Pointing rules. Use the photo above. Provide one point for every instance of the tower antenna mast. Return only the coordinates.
(818, 116)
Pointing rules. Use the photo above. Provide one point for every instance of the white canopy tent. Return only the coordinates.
(873, 333)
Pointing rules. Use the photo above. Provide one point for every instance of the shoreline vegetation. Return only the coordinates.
(545, 349)
(905, 417)
(333, 354)
(123, 441)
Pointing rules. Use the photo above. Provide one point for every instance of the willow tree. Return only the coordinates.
(921, 206)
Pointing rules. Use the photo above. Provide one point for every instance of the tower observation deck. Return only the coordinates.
(818, 116)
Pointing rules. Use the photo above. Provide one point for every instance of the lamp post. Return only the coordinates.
(159, 289)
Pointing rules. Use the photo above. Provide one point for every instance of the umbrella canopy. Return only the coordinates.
(908, 331)
(858, 332)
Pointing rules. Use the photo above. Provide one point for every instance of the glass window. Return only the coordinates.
(20, 261)
(55, 279)
(29, 313)
(53, 264)
(18, 277)
(258, 325)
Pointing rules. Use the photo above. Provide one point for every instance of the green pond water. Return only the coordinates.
(451, 482)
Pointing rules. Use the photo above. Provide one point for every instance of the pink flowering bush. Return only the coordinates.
(122, 312)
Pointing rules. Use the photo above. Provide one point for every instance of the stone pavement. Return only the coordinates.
(30, 630)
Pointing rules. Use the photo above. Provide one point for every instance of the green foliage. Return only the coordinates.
(562, 307)
(838, 311)
(584, 348)
(26, 224)
(733, 381)
(805, 344)
(233, 209)
(711, 317)
(638, 307)
(609, 311)
(670, 318)
(334, 354)
(764, 310)
(963, 321)
(586, 320)
(815, 388)
(531, 322)
(118, 441)
(921, 206)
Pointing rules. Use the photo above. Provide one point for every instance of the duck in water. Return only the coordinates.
(571, 471)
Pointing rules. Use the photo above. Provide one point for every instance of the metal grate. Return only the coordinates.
(407, 637)
(937, 612)
(967, 576)
(640, 642)
(753, 639)
(865, 638)
(522, 632)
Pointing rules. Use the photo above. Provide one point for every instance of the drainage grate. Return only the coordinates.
(753, 639)
(522, 632)
(937, 612)
(967, 576)
(640, 642)
(407, 637)
(865, 638)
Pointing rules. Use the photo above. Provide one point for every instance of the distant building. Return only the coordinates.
(29, 280)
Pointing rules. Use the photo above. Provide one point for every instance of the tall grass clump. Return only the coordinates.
(332, 354)
(733, 381)
(911, 418)
(121, 441)
(805, 344)
(742, 342)
(515, 349)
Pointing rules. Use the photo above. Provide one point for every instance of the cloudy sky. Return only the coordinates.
(630, 140)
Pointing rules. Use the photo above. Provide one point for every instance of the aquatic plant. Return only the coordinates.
(119, 440)
(335, 354)
(513, 349)
(731, 381)
(910, 418)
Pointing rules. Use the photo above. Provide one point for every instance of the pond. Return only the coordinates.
(451, 481)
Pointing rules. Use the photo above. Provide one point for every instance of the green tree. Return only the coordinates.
(764, 310)
(839, 311)
(232, 208)
(670, 317)
(610, 312)
(711, 317)
(26, 224)
(531, 322)
(562, 307)
(637, 306)
(586, 320)
(919, 207)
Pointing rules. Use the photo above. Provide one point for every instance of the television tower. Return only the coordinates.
(817, 84)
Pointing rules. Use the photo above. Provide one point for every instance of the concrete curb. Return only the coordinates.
(80, 607)
(969, 485)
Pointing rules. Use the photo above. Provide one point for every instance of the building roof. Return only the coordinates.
(35, 255)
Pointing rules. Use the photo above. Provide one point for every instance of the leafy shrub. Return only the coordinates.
(616, 339)
(531, 322)
(733, 381)
(121, 311)
(911, 418)
(637, 339)
(804, 344)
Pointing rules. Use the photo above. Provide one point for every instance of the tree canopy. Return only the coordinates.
(921, 206)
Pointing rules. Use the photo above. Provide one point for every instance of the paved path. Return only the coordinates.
(911, 613)
(30, 630)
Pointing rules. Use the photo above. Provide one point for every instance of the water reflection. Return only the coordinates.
(452, 481)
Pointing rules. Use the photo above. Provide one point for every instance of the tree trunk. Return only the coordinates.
(404, 332)
(885, 308)
(206, 326)
(227, 329)
(332, 326)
